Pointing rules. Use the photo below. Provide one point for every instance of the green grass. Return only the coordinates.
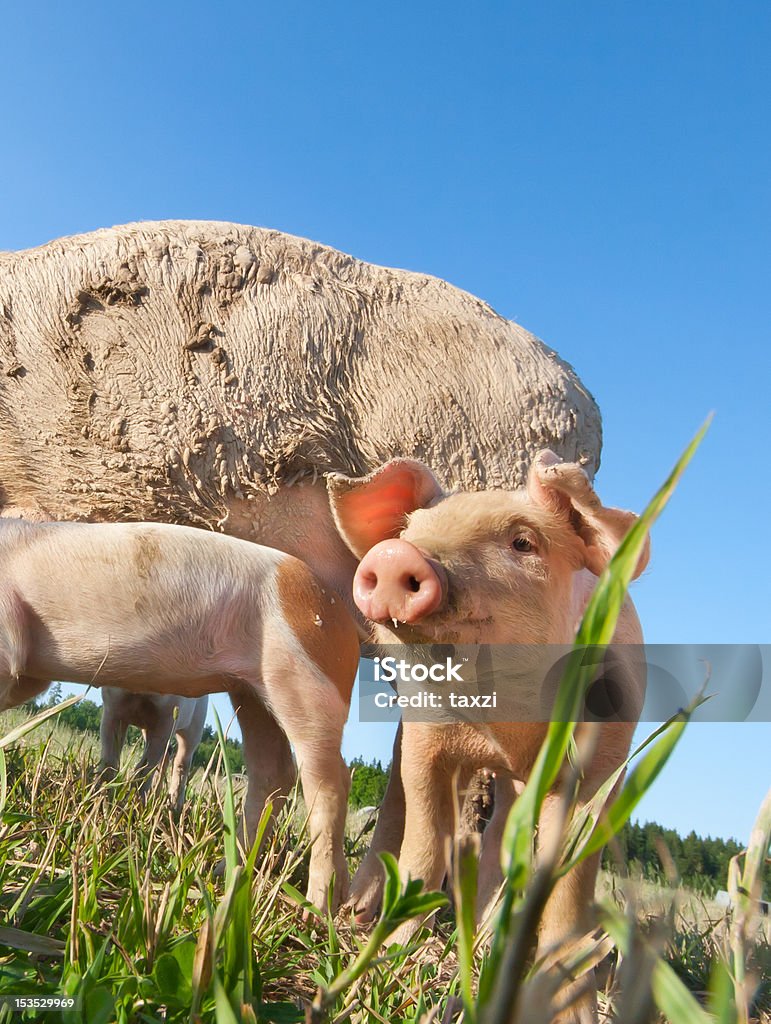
(120, 906)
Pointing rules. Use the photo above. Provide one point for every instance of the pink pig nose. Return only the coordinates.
(396, 581)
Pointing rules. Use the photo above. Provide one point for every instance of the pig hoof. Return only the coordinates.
(361, 917)
(366, 889)
(365, 904)
(322, 904)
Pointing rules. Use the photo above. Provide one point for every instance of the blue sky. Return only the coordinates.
(598, 172)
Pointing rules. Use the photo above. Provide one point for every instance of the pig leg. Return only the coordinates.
(429, 820)
(16, 690)
(367, 884)
(187, 741)
(326, 782)
(270, 769)
(569, 911)
(156, 750)
(490, 874)
(312, 712)
(112, 735)
(15, 687)
(180, 770)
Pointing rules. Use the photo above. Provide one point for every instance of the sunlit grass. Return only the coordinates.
(114, 902)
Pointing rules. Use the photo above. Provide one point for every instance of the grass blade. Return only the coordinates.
(466, 871)
(21, 730)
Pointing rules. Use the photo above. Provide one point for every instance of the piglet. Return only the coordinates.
(492, 567)
(175, 610)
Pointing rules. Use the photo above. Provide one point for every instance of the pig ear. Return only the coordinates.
(372, 508)
(564, 488)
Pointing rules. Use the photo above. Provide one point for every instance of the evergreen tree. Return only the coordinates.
(701, 864)
(368, 783)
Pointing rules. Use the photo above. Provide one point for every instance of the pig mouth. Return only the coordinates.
(404, 633)
(452, 628)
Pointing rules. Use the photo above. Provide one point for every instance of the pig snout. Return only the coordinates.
(395, 581)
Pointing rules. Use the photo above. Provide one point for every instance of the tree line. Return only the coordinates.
(701, 863)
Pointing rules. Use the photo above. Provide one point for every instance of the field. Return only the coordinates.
(122, 907)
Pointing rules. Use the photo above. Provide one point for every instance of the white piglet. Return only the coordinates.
(173, 609)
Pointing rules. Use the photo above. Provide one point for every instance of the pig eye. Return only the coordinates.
(522, 544)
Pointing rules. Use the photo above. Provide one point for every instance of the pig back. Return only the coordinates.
(160, 370)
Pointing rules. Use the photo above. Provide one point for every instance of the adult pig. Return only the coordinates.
(207, 373)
